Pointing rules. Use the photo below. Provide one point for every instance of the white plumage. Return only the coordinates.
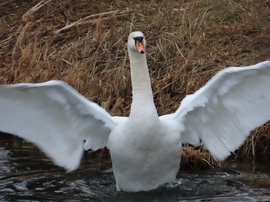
(145, 148)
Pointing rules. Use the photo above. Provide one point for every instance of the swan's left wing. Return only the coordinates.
(56, 118)
(222, 113)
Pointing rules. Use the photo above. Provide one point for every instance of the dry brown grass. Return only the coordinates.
(84, 43)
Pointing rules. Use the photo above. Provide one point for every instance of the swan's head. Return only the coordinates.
(136, 42)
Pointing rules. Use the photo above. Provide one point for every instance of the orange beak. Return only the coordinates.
(139, 46)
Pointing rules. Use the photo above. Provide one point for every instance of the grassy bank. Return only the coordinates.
(84, 43)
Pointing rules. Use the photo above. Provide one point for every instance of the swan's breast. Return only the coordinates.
(145, 156)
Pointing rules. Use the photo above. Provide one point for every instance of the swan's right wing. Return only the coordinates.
(56, 118)
(221, 114)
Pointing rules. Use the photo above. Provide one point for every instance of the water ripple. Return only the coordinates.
(26, 174)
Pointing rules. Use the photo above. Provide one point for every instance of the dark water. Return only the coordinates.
(26, 174)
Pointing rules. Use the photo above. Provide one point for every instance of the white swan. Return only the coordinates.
(145, 148)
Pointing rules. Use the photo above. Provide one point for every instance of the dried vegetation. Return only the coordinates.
(84, 43)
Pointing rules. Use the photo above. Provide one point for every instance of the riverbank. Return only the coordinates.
(84, 44)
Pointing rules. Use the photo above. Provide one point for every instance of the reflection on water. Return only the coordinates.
(26, 174)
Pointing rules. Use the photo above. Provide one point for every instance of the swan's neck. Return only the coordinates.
(142, 101)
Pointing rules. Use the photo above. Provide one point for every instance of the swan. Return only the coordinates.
(145, 147)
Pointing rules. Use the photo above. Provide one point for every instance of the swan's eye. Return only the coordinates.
(138, 38)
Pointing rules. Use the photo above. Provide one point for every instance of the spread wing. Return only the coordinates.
(56, 118)
(222, 113)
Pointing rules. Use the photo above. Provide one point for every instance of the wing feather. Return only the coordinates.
(222, 113)
(56, 118)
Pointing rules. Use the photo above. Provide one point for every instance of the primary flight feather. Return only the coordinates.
(145, 148)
